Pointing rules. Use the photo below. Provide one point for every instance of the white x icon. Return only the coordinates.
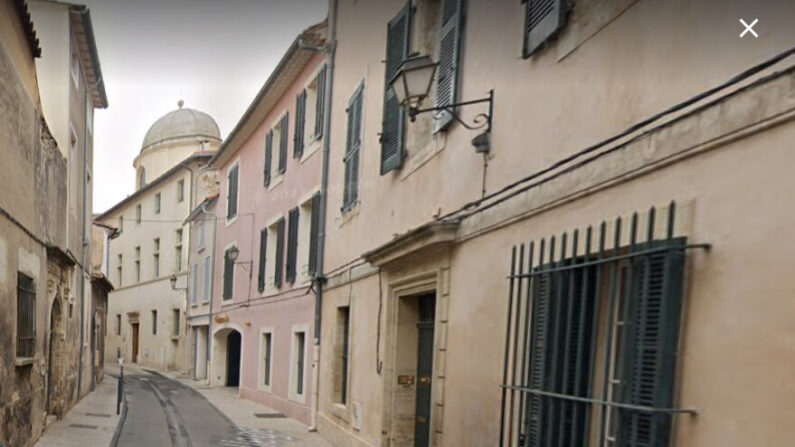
(749, 28)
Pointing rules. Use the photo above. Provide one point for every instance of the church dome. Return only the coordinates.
(179, 124)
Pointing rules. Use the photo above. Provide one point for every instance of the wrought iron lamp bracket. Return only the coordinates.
(480, 121)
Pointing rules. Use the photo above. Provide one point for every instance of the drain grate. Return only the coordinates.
(269, 415)
(98, 415)
(91, 427)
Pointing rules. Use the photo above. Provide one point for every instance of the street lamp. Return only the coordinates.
(412, 84)
(173, 281)
(233, 253)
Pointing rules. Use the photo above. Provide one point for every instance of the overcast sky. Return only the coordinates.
(214, 54)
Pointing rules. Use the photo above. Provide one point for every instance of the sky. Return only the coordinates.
(213, 54)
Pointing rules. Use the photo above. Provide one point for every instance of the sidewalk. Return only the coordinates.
(92, 422)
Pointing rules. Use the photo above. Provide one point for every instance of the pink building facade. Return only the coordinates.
(263, 303)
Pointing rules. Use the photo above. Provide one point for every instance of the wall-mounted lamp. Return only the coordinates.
(173, 281)
(234, 253)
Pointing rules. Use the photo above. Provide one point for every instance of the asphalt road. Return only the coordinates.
(163, 412)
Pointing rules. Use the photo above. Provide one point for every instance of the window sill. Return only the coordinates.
(175, 338)
(417, 160)
(231, 220)
(349, 214)
(265, 388)
(23, 361)
(311, 149)
(300, 398)
(341, 411)
(276, 181)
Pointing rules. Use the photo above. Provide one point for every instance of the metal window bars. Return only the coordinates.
(26, 316)
(592, 334)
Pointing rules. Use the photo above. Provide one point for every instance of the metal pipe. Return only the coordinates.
(83, 244)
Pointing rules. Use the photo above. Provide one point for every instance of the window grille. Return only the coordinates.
(26, 316)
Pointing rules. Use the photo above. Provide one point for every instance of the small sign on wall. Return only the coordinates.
(405, 380)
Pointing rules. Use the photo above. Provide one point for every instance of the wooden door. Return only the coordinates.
(135, 343)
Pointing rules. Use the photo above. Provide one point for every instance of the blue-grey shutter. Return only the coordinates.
(543, 18)
(292, 245)
(314, 227)
(229, 276)
(650, 349)
(394, 120)
(283, 138)
(352, 149)
(300, 121)
(278, 262)
(540, 349)
(320, 101)
(450, 24)
(263, 245)
(268, 158)
(231, 203)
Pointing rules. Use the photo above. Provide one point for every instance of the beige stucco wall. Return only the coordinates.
(158, 159)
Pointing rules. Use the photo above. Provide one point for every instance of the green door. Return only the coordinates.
(422, 425)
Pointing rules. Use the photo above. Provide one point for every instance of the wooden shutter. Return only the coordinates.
(450, 24)
(650, 348)
(263, 245)
(314, 228)
(543, 18)
(229, 276)
(394, 120)
(278, 263)
(283, 138)
(268, 158)
(292, 245)
(300, 121)
(231, 203)
(353, 146)
(320, 102)
(540, 347)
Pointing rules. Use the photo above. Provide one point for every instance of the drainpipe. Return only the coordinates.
(330, 48)
(212, 281)
(83, 245)
(187, 282)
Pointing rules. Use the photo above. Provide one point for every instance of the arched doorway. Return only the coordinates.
(54, 360)
(233, 342)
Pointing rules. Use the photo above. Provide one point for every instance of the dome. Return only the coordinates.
(181, 123)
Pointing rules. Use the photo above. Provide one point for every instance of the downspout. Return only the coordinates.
(330, 48)
(187, 281)
(212, 281)
(83, 245)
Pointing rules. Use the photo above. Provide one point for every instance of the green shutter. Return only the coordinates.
(394, 120)
(300, 121)
(268, 158)
(320, 101)
(292, 245)
(263, 245)
(543, 19)
(314, 228)
(283, 138)
(450, 23)
(353, 146)
(229, 275)
(278, 262)
(231, 203)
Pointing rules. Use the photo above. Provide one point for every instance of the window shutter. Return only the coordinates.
(285, 129)
(263, 245)
(278, 263)
(292, 245)
(353, 146)
(229, 277)
(394, 120)
(543, 18)
(300, 122)
(320, 101)
(450, 24)
(268, 157)
(231, 209)
(314, 228)
(650, 348)
(540, 347)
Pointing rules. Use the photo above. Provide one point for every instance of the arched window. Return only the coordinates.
(141, 177)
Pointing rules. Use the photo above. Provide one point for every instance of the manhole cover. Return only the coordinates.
(98, 415)
(91, 427)
(269, 415)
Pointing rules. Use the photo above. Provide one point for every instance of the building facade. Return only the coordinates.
(626, 233)
(147, 314)
(263, 302)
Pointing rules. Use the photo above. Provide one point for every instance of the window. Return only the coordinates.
(154, 322)
(299, 347)
(138, 264)
(231, 198)
(194, 289)
(121, 224)
(320, 98)
(89, 114)
(229, 275)
(26, 316)
(178, 250)
(350, 193)
(394, 120)
(118, 324)
(543, 19)
(138, 213)
(157, 203)
(283, 132)
(178, 235)
(314, 229)
(141, 177)
(181, 190)
(268, 158)
(201, 233)
(263, 246)
(156, 258)
(119, 269)
(449, 46)
(341, 357)
(300, 122)
(207, 279)
(278, 258)
(176, 323)
(292, 244)
(267, 355)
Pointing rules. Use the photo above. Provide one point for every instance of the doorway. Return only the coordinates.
(135, 342)
(426, 306)
(233, 359)
(53, 358)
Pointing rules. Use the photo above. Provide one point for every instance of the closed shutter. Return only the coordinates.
(540, 344)
(268, 157)
(292, 245)
(394, 120)
(543, 18)
(300, 121)
(320, 102)
(263, 245)
(650, 348)
(278, 263)
(231, 203)
(314, 228)
(283, 133)
(229, 276)
(450, 23)
(353, 146)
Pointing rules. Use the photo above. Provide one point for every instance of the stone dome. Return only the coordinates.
(181, 123)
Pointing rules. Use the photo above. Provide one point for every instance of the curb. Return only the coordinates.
(114, 441)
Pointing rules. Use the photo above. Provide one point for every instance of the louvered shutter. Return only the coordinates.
(394, 120)
(314, 228)
(278, 262)
(263, 245)
(540, 348)
(231, 203)
(543, 18)
(268, 157)
(292, 245)
(300, 121)
(283, 138)
(650, 348)
(229, 272)
(353, 146)
(320, 102)
(450, 23)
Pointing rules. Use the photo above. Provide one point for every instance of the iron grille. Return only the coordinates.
(572, 304)
(26, 316)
